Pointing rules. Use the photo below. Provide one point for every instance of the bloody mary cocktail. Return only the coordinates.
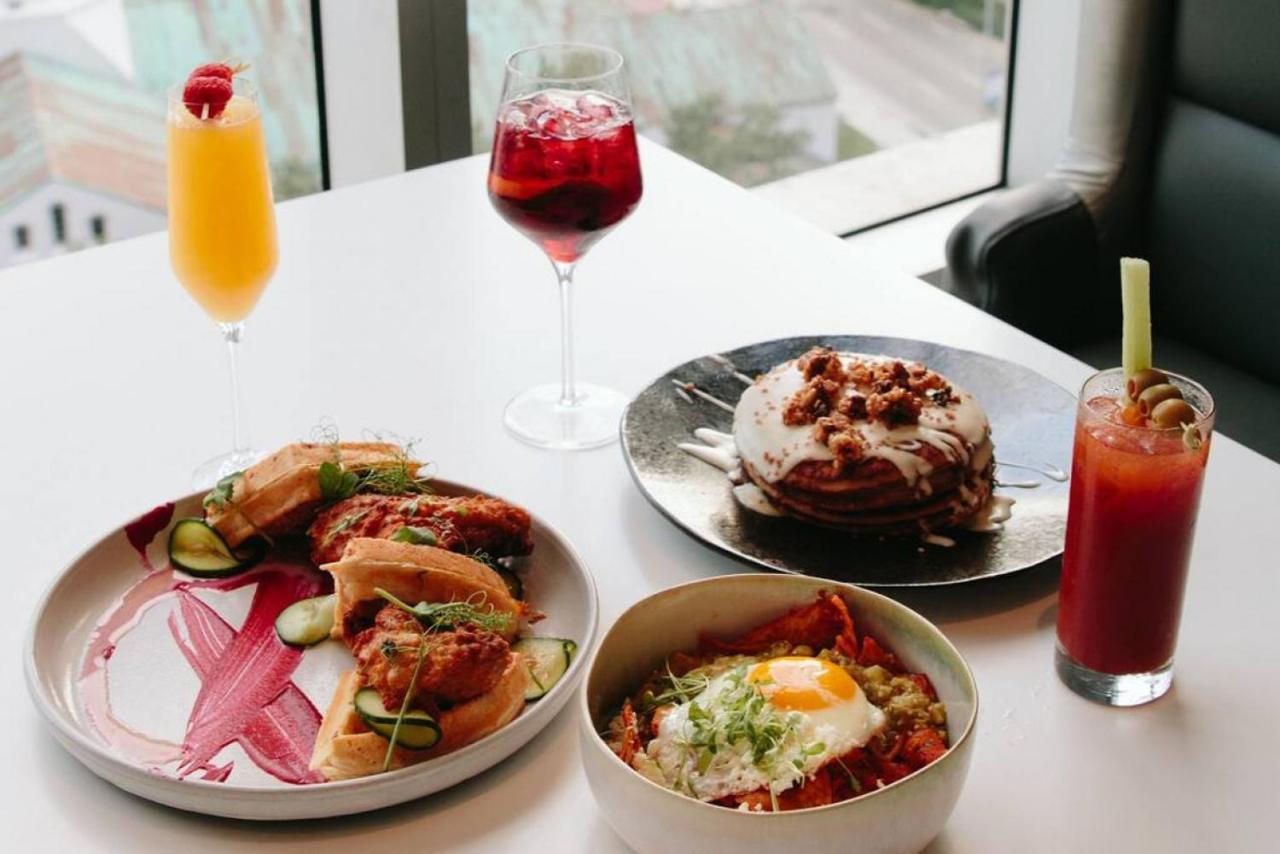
(1135, 493)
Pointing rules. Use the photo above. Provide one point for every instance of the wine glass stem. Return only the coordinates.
(231, 334)
(564, 276)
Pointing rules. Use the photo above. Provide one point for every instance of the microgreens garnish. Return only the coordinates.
(433, 617)
(682, 689)
(343, 524)
(737, 720)
(220, 495)
(335, 483)
(448, 615)
(401, 475)
(404, 705)
(418, 536)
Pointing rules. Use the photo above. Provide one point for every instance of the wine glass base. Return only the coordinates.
(211, 471)
(537, 417)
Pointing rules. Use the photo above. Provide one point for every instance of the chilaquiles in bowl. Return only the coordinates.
(798, 712)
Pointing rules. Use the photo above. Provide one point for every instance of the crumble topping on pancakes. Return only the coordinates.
(865, 442)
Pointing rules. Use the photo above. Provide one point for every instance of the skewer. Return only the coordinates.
(724, 362)
(1050, 470)
(693, 389)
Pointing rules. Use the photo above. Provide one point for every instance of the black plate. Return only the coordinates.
(1032, 420)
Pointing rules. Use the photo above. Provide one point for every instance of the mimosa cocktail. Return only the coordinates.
(222, 226)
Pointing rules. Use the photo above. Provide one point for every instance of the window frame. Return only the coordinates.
(432, 91)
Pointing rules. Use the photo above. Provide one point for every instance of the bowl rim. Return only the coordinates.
(966, 672)
(74, 739)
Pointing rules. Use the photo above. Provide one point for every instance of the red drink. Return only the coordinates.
(564, 168)
(1135, 493)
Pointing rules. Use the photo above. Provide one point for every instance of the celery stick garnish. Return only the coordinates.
(1135, 299)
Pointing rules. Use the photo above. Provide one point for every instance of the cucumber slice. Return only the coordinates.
(548, 659)
(307, 621)
(418, 730)
(198, 549)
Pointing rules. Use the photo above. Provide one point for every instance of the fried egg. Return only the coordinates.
(763, 724)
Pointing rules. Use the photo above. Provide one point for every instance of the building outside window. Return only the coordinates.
(850, 112)
(82, 106)
(58, 220)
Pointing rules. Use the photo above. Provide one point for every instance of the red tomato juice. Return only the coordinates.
(1135, 493)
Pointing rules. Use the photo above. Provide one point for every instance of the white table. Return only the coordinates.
(407, 305)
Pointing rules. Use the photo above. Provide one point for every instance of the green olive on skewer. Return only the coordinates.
(1143, 380)
(1156, 394)
(1173, 412)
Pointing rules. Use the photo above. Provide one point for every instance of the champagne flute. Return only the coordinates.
(222, 229)
(564, 171)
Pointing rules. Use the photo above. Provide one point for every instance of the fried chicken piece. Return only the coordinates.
(458, 665)
(464, 524)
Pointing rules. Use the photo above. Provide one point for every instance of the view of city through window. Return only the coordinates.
(82, 109)
(906, 95)
(850, 112)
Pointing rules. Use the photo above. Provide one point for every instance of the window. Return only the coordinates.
(850, 112)
(59, 216)
(21, 237)
(82, 105)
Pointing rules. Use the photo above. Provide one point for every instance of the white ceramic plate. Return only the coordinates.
(121, 704)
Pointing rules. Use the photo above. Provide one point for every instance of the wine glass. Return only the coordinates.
(222, 230)
(564, 171)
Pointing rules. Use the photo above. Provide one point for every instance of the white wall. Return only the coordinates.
(362, 89)
(123, 219)
(1043, 85)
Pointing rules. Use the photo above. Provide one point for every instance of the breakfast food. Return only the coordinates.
(799, 712)
(283, 492)
(864, 443)
(472, 522)
(422, 596)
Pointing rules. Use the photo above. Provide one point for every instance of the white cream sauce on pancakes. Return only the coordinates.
(959, 430)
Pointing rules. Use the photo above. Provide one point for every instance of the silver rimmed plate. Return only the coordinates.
(122, 649)
(1031, 425)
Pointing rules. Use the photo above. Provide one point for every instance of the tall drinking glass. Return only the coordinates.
(222, 230)
(564, 172)
(1135, 494)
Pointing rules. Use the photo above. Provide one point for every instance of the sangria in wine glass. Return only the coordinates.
(564, 172)
(222, 227)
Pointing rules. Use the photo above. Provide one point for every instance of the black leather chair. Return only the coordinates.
(1174, 156)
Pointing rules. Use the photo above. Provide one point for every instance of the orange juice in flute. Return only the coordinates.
(222, 229)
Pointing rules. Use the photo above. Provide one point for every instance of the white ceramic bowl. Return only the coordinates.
(903, 816)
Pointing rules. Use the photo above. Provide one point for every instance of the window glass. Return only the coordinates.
(849, 111)
(82, 105)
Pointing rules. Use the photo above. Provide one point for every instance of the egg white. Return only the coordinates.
(814, 738)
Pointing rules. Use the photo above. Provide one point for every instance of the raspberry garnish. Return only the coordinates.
(206, 97)
(213, 69)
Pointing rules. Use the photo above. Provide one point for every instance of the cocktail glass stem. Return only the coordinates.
(564, 277)
(231, 333)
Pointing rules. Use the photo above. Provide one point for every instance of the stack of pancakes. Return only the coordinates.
(865, 443)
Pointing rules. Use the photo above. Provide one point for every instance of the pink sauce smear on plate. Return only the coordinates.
(247, 695)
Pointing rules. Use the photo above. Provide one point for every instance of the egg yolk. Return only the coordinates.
(800, 683)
